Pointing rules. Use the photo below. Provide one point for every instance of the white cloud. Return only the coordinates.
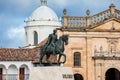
(63, 3)
(16, 36)
(20, 3)
(60, 2)
(16, 33)
(84, 3)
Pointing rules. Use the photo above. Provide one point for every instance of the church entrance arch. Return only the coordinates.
(112, 74)
(78, 77)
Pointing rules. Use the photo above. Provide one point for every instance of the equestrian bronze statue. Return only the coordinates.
(54, 46)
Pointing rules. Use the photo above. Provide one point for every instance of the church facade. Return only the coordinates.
(93, 49)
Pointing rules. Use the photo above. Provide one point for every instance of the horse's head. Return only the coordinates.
(65, 39)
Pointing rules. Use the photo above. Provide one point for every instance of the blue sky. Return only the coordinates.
(14, 12)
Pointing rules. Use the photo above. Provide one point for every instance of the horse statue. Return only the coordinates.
(59, 50)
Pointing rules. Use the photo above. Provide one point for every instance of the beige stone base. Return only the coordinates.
(51, 73)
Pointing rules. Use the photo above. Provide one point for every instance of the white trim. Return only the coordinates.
(16, 63)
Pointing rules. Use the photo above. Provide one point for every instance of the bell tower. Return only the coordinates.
(40, 24)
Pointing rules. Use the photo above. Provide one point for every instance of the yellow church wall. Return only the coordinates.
(100, 41)
(86, 43)
(102, 66)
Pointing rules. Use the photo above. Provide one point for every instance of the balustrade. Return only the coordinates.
(117, 14)
(76, 21)
(88, 21)
(95, 19)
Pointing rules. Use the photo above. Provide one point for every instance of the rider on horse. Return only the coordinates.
(51, 42)
(54, 46)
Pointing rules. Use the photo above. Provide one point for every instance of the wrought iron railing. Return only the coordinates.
(12, 76)
(26, 77)
(4, 77)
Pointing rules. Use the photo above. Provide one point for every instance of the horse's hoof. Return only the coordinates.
(41, 65)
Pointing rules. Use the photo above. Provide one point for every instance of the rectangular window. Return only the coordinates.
(77, 59)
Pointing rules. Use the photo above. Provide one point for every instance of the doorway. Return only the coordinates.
(1, 71)
(112, 74)
(78, 77)
(21, 74)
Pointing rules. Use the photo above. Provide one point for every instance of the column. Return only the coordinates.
(6, 74)
(90, 62)
(18, 74)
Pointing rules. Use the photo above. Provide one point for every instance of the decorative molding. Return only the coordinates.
(112, 45)
(76, 48)
(77, 71)
(106, 58)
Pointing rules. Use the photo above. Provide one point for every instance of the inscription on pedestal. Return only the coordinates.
(67, 76)
(51, 73)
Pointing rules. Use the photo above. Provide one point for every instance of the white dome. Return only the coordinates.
(43, 13)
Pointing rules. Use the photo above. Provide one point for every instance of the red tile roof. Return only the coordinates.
(18, 54)
(12, 54)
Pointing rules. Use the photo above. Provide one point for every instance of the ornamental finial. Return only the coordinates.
(88, 12)
(112, 3)
(64, 12)
(43, 2)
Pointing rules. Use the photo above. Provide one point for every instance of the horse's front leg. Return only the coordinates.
(59, 58)
(62, 54)
(64, 58)
(41, 58)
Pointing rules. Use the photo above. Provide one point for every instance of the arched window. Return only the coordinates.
(35, 38)
(77, 59)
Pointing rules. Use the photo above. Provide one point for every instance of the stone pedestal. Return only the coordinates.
(51, 73)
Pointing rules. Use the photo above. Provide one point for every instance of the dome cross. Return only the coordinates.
(112, 1)
(43, 2)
